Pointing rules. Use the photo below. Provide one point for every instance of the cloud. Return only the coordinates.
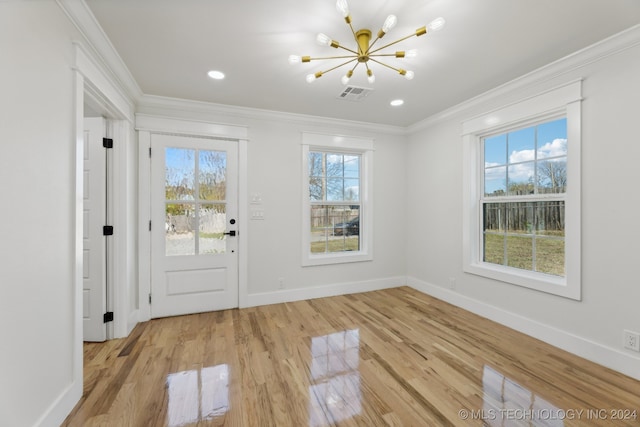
(557, 147)
(521, 156)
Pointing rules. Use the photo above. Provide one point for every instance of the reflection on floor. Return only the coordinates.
(198, 395)
(335, 390)
(506, 400)
(394, 357)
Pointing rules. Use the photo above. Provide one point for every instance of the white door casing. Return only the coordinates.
(94, 242)
(194, 202)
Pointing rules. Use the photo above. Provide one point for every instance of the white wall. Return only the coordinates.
(37, 215)
(592, 327)
(275, 172)
(275, 243)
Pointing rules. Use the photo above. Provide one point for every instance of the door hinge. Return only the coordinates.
(107, 142)
(107, 230)
(149, 225)
(149, 152)
(108, 316)
(149, 298)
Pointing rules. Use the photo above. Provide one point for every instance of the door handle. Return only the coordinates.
(231, 233)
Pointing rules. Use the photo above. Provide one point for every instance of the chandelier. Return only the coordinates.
(364, 51)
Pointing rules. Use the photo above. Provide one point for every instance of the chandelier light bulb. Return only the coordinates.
(412, 53)
(437, 24)
(345, 79)
(311, 78)
(323, 39)
(371, 78)
(409, 75)
(294, 59)
(389, 23)
(343, 7)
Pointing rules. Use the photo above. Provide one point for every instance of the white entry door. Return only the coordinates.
(194, 207)
(94, 241)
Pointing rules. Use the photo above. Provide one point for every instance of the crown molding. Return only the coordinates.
(603, 49)
(102, 49)
(160, 105)
(98, 45)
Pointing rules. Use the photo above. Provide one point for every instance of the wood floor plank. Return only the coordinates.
(394, 357)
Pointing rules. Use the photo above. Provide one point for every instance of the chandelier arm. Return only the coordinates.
(347, 49)
(338, 66)
(333, 57)
(352, 30)
(385, 65)
(392, 43)
(371, 45)
(384, 54)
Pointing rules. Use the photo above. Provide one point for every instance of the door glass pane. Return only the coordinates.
(180, 172)
(180, 222)
(213, 175)
(213, 222)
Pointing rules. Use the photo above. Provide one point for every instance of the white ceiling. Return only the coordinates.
(169, 45)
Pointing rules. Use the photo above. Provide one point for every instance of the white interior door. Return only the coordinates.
(94, 243)
(194, 206)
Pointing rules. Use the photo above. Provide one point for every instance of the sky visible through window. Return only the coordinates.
(515, 152)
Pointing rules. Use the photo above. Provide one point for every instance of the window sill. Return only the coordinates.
(338, 258)
(554, 285)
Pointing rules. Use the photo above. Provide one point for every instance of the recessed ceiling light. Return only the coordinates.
(396, 102)
(216, 75)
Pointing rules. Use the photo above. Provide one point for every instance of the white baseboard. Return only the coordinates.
(299, 294)
(61, 407)
(587, 349)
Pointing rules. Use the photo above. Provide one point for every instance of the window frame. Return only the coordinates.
(562, 101)
(362, 147)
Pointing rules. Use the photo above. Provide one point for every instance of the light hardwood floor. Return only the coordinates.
(394, 357)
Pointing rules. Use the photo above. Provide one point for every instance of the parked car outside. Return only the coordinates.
(348, 228)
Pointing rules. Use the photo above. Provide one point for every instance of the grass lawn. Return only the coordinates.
(549, 253)
(336, 244)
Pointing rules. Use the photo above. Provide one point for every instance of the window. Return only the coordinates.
(522, 193)
(522, 205)
(334, 193)
(336, 201)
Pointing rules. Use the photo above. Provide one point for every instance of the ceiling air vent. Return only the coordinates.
(354, 93)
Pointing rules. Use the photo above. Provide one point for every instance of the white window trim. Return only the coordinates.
(565, 101)
(339, 144)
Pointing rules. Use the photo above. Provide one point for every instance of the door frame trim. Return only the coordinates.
(147, 125)
(89, 83)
